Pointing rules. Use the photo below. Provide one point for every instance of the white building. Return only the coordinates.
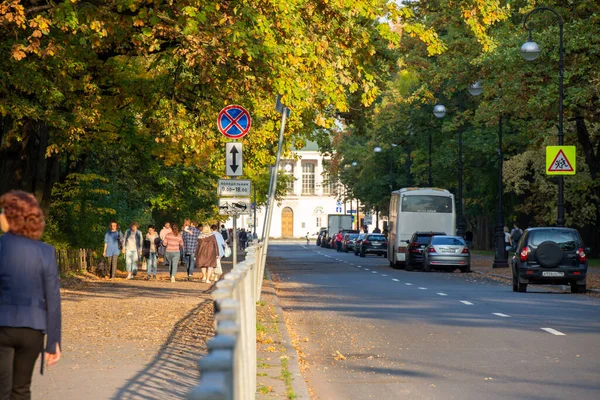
(310, 198)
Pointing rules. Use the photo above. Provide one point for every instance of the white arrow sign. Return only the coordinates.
(233, 159)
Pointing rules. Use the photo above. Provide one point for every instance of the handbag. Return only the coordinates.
(227, 251)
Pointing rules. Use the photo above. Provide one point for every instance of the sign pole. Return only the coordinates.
(234, 243)
(284, 114)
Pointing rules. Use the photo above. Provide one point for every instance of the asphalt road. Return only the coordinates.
(367, 331)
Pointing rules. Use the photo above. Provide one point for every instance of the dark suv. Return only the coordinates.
(554, 256)
(414, 251)
(373, 243)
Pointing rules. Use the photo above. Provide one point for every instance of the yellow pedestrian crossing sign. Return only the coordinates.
(561, 160)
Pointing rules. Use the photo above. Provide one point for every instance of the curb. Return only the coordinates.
(298, 383)
(510, 277)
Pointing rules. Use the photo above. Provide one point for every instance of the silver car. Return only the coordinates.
(447, 252)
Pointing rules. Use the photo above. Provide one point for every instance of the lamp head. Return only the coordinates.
(530, 50)
(377, 149)
(476, 88)
(439, 111)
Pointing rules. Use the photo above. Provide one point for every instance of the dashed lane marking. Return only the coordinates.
(373, 272)
(422, 288)
(499, 314)
(468, 303)
(553, 331)
(383, 275)
(442, 294)
(408, 284)
(367, 269)
(395, 280)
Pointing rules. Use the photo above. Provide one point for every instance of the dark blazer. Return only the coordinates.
(29, 287)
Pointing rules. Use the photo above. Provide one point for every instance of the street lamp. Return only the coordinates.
(380, 150)
(530, 51)
(500, 260)
(440, 111)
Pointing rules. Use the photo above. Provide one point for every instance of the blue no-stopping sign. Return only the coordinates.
(234, 122)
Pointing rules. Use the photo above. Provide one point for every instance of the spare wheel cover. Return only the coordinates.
(549, 254)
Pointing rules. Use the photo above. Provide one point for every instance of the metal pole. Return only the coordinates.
(254, 229)
(560, 221)
(267, 205)
(461, 226)
(500, 260)
(271, 199)
(234, 242)
(377, 217)
(392, 171)
(430, 178)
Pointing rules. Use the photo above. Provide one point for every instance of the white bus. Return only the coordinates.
(417, 210)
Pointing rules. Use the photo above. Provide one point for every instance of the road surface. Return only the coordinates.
(366, 331)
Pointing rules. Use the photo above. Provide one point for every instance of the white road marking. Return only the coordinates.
(553, 331)
(383, 275)
(395, 280)
(442, 294)
(499, 314)
(468, 303)
(423, 288)
(360, 266)
(352, 264)
(373, 272)
(408, 284)
(367, 269)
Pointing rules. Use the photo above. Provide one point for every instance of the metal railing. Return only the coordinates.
(228, 372)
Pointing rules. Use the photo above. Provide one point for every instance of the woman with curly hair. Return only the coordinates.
(29, 295)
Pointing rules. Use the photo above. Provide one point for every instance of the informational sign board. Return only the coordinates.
(233, 159)
(234, 187)
(234, 206)
(234, 122)
(561, 160)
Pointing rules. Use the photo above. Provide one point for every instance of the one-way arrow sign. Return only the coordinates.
(233, 159)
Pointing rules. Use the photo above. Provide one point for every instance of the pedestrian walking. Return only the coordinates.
(29, 295)
(132, 249)
(153, 238)
(224, 233)
(307, 239)
(173, 243)
(221, 247)
(229, 239)
(515, 235)
(162, 249)
(190, 242)
(113, 243)
(338, 241)
(207, 253)
(243, 239)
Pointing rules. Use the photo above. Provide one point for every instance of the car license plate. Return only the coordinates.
(376, 244)
(552, 274)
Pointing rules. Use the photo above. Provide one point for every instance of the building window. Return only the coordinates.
(303, 225)
(328, 184)
(318, 222)
(308, 178)
(288, 169)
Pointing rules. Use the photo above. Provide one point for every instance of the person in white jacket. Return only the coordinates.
(221, 245)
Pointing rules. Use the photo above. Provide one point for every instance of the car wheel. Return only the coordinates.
(426, 267)
(465, 270)
(408, 266)
(346, 250)
(549, 254)
(521, 287)
(515, 284)
(575, 288)
(385, 255)
(362, 253)
(392, 265)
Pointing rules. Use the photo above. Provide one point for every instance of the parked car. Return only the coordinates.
(373, 243)
(358, 241)
(414, 251)
(325, 240)
(348, 243)
(549, 255)
(447, 252)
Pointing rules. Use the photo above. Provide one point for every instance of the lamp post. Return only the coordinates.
(500, 260)
(380, 150)
(530, 51)
(440, 111)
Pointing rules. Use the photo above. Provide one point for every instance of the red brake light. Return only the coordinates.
(385, 244)
(430, 249)
(365, 241)
(525, 253)
(465, 250)
(415, 244)
(581, 255)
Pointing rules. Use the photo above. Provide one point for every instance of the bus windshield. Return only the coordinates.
(426, 204)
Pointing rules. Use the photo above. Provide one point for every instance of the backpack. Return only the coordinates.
(224, 234)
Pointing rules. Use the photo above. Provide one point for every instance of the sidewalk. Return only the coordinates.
(129, 339)
(278, 370)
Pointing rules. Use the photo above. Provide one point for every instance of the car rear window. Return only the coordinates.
(567, 240)
(447, 240)
(376, 237)
(352, 236)
(424, 239)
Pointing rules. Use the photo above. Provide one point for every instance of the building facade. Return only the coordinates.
(311, 196)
